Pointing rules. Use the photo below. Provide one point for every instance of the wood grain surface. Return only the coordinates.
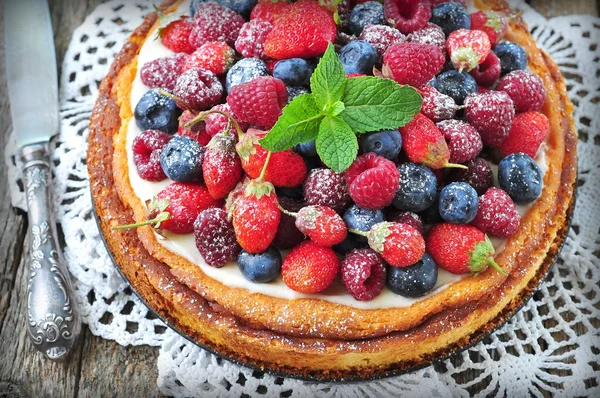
(97, 367)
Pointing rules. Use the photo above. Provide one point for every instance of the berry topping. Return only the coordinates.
(372, 181)
(456, 85)
(417, 189)
(463, 140)
(412, 63)
(288, 235)
(259, 101)
(512, 57)
(358, 57)
(181, 159)
(262, 267)
(488, 72)
(163, 72)
(155, 111)
(293, 71)
(251, 40)
(322, 225)
(400, 244)
(310, 268)
(407, 15)
(198, 89)
(328, 188)
(467, 48)
(360, 219)
(367, 13)
(363, 274)
(520, 177)
(214, 56)
(409, 218)
(217, 122)
(386, 143)
(196, 131)
(213, 22)
(525, 88)
(215, 238)
(492, 114)
(458, 203)
(269, 10)
(147, 148)
(430, 34)
(493, 24)
(450, 16)
(415, 280)
(381, 37)
(221, 167)
(478, 175)
(527, 133)
(437, 106)
(175, 36)
(497, 215)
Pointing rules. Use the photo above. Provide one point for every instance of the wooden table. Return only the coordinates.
(97, 367)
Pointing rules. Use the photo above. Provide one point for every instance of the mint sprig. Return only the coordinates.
(338, 108)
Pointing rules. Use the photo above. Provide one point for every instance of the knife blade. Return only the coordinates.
(53, 322)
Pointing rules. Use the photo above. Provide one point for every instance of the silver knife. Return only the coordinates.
(52, 317)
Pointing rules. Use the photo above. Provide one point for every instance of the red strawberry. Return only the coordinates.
(363, 274)
(303, 32)
(407, 15)
(260, 101)
(460, 248)
(310, 268)
(213, 22)
(372, 181)
(400, 244)
(163, 72)
(256, 216)
(175, 36)
(269, 10)
(381, 37)
(322, 224)
(412, 63)
(492, 114)
(214, 56)
(221, 167)
(497, 214)
(196, 131)
(525, 88)
(215, 237)
(251, 40)
(527, 133)
(493, 24)
(488, 72)
(467, 48)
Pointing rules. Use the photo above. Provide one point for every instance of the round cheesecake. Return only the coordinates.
(326, 335)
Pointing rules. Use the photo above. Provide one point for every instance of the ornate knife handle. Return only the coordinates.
(53, 320)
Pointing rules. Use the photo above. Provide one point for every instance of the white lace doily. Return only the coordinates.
(555, 331)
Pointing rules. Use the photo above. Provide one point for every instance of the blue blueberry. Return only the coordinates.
(520, 177)
(415, 280)
(155, 111)
(293, 71)
(386, 143)
(450, 17)
(358, 56)
(181, 159)
(350, 243)
(306, 149)
(456, 85)
(260, 268)
(362, 220)
(244, 71)
(293, 92)
(458, 203)
(417, 189)
(368, 13)
(243, 7)
(512, 57)
(431, 215)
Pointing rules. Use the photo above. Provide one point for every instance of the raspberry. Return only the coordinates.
(407, 15)
(430, 34)
(199, 89)
(288, 234)
(528, 131)
(197, 131)
(463, 140)
(310, 268)
(213, 22)
(381, 37)
(437, 106)
(147, 148)
(412, 63)
(372, 181)
(268, 10)
(215, 238)
(175, 36)
(214, 56)
(490, 22)
(328, 188)
(251, 40)
(363, 274)
(525, 88)
(322, 225)
(259, 101)
(409, 218)
(478, 175)
(400, 244)
(467, 48)
(497, 214)
(217, 123)
(486, 73)
(491, 114)
(163, 72)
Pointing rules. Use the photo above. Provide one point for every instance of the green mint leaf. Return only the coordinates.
(337, 145)
(299, 123)
(374, 103)
(335, 109)
(328, 81)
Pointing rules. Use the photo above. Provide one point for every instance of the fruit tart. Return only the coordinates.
(333, 190)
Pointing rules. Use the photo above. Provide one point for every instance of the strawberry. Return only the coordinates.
(493, 24)
(215, 56)
(399, 244)
(269, 10)
(221, 167)
(310, 268)
(467, 48)
(412, 63)
(175, 36)
(528, 131)
(322, 224)
(461, 248)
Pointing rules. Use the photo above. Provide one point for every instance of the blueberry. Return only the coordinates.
(260, 268)
(243, 7)
(306, 149)
(386, 143)
(458, 203)
(293, 92)
(358, 56)
(520, 177)
(417, 188)
(450, 17)
(244, 71)
(368, 13)
(294, 193)
(512, 57)
(350, 243)
(431, 215)
(181, 159)
(293, 71)
(456, 85)
(415, 280)
(362, 220)
(155, 111)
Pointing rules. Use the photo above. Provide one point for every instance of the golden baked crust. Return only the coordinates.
(326, 339)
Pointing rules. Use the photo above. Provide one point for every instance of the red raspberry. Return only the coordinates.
(486, 73)
(372, 181)
(163, 72)
(363, 274)
(525, 88)
(381, 37)
(310, 268)
(213, 22)
(463, 140)
(186, 201)
(407, 15)
(482, 90)
(490, 22)
(197, 131)
(322, 225)
(147, 148)
(259, 101)
(175, 36)
(528, 131)
(467, 48)
(199, 89)
(430, 34)
(217, 123)
(408, 218)
(424, 143)
(437, 106)
(478, 175)
(251, 40)
(400, 244)
(269, 10)
(288, 234)
(215, 237)
(497, 214)
(412, 63)
(491, 114)
(221, 168)
(328, 188)
(214, 56)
